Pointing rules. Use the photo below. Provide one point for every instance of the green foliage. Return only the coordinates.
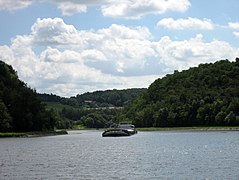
(5, 118)
(108, 98)
(92, 110)
(201, 96)
(20, 108)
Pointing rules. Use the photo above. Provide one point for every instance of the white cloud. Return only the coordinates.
(6, 54)
(124, 32)
(236, 34)
(181, 24)
(117, 9)
(69, 8)
(53, 31)
(93, 55)
(136, 9)
(50, 55)
(188, 53)
(57, 58)
(13, 5)
(234, 25)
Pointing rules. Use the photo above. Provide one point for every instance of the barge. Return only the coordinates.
(120, 130)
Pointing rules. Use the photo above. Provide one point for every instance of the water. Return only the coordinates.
(147, 155)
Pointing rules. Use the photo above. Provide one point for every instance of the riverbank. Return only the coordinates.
(206, 128)
(195, 128)
(32, 134)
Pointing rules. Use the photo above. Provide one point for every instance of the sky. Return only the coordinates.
(68, 47)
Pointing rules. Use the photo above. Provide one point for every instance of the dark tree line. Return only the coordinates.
(111, 97)
(207, 95)
(20, 108)
(108, 98)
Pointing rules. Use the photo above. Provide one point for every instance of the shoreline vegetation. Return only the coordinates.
(64, 132)
(32, 134)
(193, 128)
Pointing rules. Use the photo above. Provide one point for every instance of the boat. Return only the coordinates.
(120, 130)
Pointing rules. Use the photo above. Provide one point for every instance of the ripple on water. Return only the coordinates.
(147, 155)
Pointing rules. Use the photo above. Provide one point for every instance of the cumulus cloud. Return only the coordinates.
(235, 26)
(181, 24)
(53, 31)
(117, 9)
(124, 32)
(137, 9)
(187, 53)
(57, 58)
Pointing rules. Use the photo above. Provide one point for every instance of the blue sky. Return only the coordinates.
(71, 47)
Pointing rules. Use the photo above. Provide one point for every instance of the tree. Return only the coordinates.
(5, 118)
(230, 119)
(161, 117)
(220, 118)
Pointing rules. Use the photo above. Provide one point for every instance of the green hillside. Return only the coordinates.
(107, 98)
(92, 109)
(206, 95)
(20, 108)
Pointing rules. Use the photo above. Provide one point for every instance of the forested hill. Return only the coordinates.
(20, 108)
(204, 95)
(114, 97)
(94, 110)
(108, 98)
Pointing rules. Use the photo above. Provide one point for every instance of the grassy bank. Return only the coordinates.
(79, 127)
(203, 128)
(12, 134)
(32, 134)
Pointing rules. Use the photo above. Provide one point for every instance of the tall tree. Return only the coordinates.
(5, 118)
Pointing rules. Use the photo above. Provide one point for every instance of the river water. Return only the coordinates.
(146, 155)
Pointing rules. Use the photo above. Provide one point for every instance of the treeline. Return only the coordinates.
(206, 95)
(68, 117)
(93, 110)
(20, 108)
(117, 98)
(108, 98)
